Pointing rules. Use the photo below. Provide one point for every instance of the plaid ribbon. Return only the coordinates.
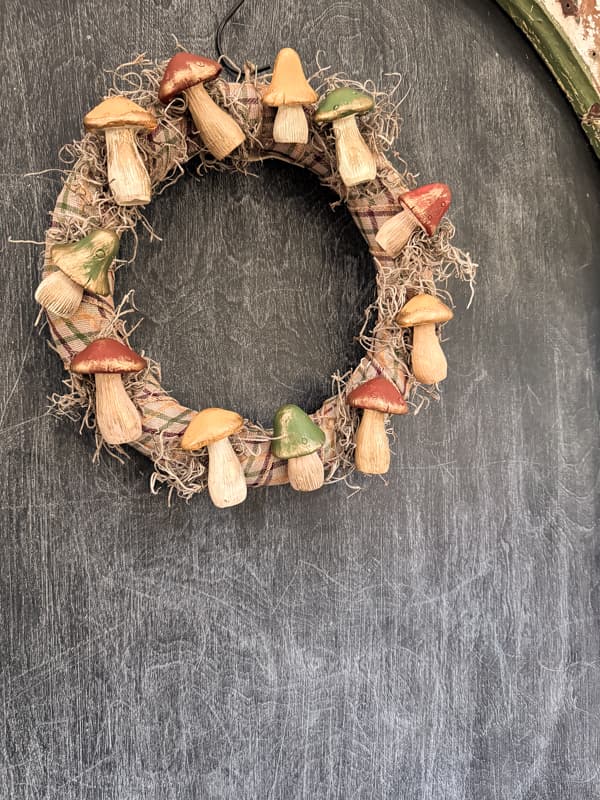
(163, 418)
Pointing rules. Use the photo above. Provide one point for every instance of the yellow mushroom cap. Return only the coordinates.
(119, 112)
(209, 426)
(422, 309)
(289, 86)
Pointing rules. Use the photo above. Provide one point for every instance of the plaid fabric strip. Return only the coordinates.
(162, 415)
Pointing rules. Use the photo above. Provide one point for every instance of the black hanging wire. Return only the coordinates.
(230, 65)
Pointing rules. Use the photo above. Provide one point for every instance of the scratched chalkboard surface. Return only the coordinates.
(433, 636)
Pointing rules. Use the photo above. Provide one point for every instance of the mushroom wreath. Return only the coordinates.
(159, 116)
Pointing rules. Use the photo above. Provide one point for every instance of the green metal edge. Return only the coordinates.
(567, 66)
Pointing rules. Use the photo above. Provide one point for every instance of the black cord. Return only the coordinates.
(229, 65)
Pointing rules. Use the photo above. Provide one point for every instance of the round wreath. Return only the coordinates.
(155, 118)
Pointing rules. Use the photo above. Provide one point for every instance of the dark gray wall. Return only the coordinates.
(434, 636)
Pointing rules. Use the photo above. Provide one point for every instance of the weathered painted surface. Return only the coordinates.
(565, 34)
(580, 22)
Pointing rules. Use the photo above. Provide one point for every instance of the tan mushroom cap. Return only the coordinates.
(423, 309)
(289, 86)
(209, 426)
(119, 112)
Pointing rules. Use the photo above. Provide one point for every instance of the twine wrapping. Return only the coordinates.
(85, 202)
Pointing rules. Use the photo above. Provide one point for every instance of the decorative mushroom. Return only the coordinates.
(186, 73)
(356, 163)
(119, 118)
(288, 93)
(297, 439)
(81, 265)
(421, 208)
(377, 398)
(211, 428)
(422, 313)
(118, 420)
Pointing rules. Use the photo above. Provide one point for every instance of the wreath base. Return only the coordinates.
(84, 203)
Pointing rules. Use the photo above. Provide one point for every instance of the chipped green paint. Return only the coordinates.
(295, 433)
(88, 261)
(565, 63)
(343, 102)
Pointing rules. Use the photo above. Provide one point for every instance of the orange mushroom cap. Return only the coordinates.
(107, 355)
(288, 84)
(378, 394)
(183, 71)
(209, 426)
(429, 204)
(119, 112)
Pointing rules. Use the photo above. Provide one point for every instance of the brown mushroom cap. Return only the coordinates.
(119, 112)
(422, 309)
(289, 86)
(183, 71)
(378, 394)
(209, 426)
(107, 355)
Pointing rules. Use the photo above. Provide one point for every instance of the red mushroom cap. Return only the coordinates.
(428, 204)
(107, 355)
(185, 70)
(378, 394)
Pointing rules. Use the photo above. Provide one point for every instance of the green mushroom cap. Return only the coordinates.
(88, 261)
(343, 102)
(296, 434)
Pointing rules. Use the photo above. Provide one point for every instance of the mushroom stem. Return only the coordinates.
(394, 234)
(59, 295)
(226, 479)
(218, 130)
(290, 125)
(118, 420)
(127, 176)
(356, 163)
(306, 473)
(372, 454)
(429, 363)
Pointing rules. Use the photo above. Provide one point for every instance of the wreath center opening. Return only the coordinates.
(264, 293)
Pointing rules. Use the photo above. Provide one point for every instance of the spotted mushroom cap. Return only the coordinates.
(378, 394)
(209, 426)
(183, 71)
(107, 356)
(119, 112)
(429, 204)
(343, 102)
(423, 309)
